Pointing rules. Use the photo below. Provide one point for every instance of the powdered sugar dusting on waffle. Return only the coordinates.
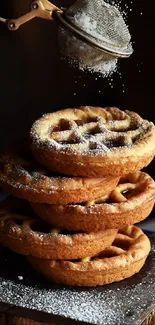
(29, 174)
(19, 185)
(97, 135)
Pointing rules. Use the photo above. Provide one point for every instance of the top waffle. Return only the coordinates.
(92, 141)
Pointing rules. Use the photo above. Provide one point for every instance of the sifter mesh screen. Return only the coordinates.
(101, 21)
(95, 36)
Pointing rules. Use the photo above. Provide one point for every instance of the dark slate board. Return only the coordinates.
(127, 302)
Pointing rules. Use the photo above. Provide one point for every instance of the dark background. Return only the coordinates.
(34, 80)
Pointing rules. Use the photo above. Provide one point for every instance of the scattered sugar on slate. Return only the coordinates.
(117, 304)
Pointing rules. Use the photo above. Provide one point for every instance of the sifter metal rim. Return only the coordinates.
(102, 46)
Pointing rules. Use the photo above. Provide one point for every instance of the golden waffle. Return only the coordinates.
(124, 258)
(130, 202)
(24, 178)
(92, 141)
(28, 235)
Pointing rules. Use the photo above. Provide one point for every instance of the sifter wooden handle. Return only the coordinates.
(39, 8)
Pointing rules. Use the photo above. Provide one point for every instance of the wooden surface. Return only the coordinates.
(11, 315)
(17, 316)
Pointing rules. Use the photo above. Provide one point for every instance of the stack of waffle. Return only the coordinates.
(73, 207)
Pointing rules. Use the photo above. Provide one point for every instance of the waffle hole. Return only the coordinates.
(67, 232)
(105, 253)
(91, 119)
(123, 244)
(114, 143)
(128, 194)
(78, 204)
(98, 129)
(72, 232)
(64, 125)
(136, 138)
(52, 174)
(38, 226)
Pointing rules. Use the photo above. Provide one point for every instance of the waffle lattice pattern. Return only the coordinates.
(128, 187)
(122, 243)
(98, 133)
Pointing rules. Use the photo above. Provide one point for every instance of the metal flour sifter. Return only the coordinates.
(94, 22)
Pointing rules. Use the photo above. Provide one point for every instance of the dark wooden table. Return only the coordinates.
(10, 315)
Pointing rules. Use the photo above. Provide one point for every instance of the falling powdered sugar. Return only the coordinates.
(84, 57)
